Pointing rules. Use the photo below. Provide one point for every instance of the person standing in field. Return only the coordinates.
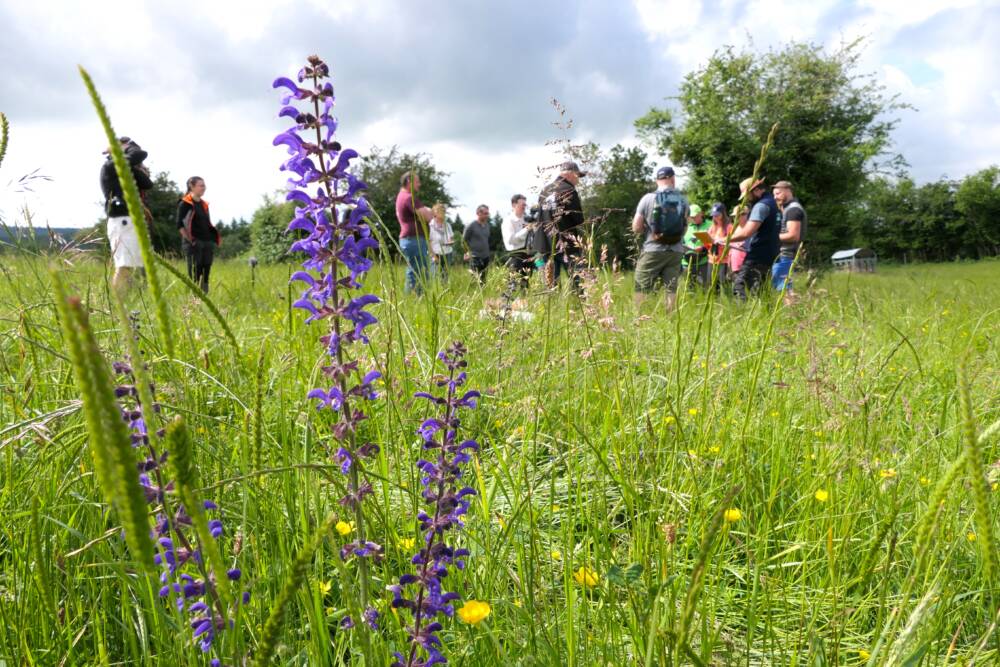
(696, 251)
(442, 241)
(121, 232)
(737, 250)
(515, 230)
(413, 219)
(793, 230)
(561, 222)
(661, 218)
(761, 235)
(199, 236)
(718, 256)
(477, 240)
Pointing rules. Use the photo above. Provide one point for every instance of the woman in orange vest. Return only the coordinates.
(199, 235)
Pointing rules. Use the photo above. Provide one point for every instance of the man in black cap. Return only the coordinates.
(560, 222)
(121, 229)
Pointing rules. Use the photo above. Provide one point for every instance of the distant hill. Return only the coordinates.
(13, 236)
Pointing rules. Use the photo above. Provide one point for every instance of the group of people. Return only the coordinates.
(757, 245)
(548, 238)
(199, 237)
(762, 244)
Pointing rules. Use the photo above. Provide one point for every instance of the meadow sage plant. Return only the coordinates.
(331, 217)
(448, 501)
(186, 572)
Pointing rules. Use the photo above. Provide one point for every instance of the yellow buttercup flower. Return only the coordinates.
(407, 542)
(669, 419)
(586, 577)
(924, 481)
(344, 528)
(693, 412)
(474, 611)
(556, 555)
(822, 495)
(732, 515)
(971, 536)
(863, 654)
(714, 449)
(324, 587)
(887, 473)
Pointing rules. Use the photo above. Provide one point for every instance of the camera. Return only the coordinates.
(133, 152)
(532, 214)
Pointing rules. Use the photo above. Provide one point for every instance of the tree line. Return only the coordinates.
(834, 143)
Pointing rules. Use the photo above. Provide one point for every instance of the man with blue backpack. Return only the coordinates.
(661, 218)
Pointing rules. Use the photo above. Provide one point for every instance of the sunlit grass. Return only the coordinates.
(625, 457)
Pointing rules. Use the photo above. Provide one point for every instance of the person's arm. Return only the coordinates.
(184, 214)
(638, 220)
(142, 179)
(793, 230)
(107, 180)
(638, 224)
(793, 226)
(742, 233)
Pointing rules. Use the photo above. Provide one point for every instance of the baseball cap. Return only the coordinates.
(717, 209)
(694, 210)
(570, 165)
(664, 172)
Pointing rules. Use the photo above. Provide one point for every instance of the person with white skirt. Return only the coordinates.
(122, 236)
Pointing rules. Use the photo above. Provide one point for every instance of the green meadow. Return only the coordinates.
(727, 484)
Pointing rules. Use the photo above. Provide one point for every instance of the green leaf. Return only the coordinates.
(633, 574)
(615, 575)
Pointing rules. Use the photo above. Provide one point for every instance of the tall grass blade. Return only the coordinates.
(109, 439)
(197, 292)
(135, 210)
(272, 627)
(185, 477)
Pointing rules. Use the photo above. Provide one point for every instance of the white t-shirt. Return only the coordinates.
(442, 238)
(515, 232)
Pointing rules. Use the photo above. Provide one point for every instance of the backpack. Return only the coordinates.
(669, 218)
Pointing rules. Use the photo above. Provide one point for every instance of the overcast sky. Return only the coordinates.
(467, 82)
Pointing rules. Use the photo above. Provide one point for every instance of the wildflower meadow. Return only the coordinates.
(310, 467)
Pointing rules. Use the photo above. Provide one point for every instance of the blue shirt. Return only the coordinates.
(763, 246)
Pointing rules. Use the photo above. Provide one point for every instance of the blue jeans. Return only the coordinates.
(780, 273)
(415, 251)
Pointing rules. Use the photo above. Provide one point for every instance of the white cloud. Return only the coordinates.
(189, 93)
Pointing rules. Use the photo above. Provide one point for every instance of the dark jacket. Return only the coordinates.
(763, 246)
(560, 212)
(191, 229)
(114, 199)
